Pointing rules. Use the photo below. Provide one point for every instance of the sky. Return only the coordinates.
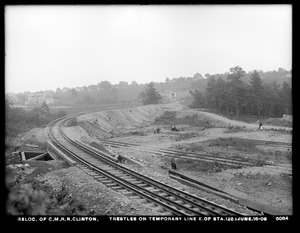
(47, 47)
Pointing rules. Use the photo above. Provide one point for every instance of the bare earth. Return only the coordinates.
(135, 125)
(270, 186)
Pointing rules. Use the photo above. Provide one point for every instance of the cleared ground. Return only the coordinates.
(199, 132)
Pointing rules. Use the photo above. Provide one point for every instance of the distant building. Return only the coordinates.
(49, 100)
(32, 100)
(172, 95)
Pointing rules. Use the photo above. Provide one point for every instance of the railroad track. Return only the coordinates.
(157, 195)
(264, 142)
(181, 154)
(196, 156)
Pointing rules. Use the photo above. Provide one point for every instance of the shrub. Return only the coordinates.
(30, 199)
(27, 201)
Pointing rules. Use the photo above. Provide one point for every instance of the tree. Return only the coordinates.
(236, 73)
(74, 92)
(114, 94)
(123, 84)
(237, 86)
(22, 98)
(197, 75)
(198, 99)
(257, 90)
(286, 97)
(210, 87)
(105, 85)
(92, 87)
(44, 109)
(134, 83)
(150, 95)
(217, 93)
(88, 99)
(272, 98)
(142, 96)
(221, 94)
(41, 114)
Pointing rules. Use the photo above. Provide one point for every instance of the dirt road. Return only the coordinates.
(237, 123)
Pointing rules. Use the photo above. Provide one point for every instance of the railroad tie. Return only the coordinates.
(117, 188)
(142, 185)
(127, 193)
(163, 194)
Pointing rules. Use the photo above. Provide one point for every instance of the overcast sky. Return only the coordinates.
(68, 46)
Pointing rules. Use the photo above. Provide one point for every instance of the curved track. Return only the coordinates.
(264, 142)
(181, 154)
(157, 195)
(197, 156)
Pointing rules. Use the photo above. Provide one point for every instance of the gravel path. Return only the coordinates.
(239, 123)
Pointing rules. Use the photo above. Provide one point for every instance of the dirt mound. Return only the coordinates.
(92, 194)
(117, 120)
(286, 121)
(287, 117)
(183, 118)
(195, 116)
(36, 135)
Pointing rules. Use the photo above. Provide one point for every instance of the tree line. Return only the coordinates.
(233, 96)
(106, 93)
(17, 120)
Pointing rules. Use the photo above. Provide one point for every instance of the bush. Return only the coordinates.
(30, 199)
(27, 201)
(18, 121)
(234, 129)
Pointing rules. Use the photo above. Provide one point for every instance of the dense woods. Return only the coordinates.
(232, 95)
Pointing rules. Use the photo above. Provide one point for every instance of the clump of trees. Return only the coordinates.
(233, 96)
(150, 95)
(17, 120)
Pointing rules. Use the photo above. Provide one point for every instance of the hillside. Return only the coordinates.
(106, 93)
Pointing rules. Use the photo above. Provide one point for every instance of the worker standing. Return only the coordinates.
(173, 164)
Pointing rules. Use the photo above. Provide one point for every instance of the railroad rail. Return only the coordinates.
(264, 142)
(160, 196)
(197, 156)
(180, 154)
